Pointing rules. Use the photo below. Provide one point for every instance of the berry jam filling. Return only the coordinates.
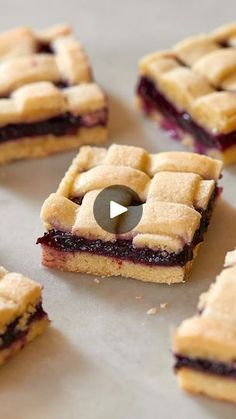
(44, 48)
(66, 124)
(176, 122)
(205, 365)
(12, 333)
(121, 249)
(124, 249)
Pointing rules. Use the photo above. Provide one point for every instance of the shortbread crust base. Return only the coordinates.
(228, 156)
(41, 146)
(106, 266)
(35, 330)
(211, 385)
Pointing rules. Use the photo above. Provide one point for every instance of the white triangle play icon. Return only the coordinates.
(116, 209)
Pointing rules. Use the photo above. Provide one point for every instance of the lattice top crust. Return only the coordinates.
(44, 74)
(174, 188)
(199, 76)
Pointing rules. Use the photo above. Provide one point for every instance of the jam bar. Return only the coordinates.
(48, 100)
(22, 317)
(190, 92)
(205, 345)
(177, 191)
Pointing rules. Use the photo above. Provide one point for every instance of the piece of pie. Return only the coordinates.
(48, 100)
(177, 191)
(22, 317)
(190, 92)
(205, 345)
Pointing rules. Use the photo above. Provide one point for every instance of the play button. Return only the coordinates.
(117, 209)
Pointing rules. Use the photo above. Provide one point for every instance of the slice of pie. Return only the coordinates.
(48, 100)
(205, 345)
(22, 317)
(190, 92)
(177, 191)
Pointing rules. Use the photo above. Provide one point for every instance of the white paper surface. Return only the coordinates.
(104, 357)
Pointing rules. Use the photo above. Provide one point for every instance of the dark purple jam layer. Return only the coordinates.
(206, 366)
(124, 249)
(121, 249)
(12, 334)
(153, 99)
(44, 48)
(66, 124)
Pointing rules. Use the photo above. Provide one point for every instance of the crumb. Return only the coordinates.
(163, 305)
(139, 297)
(152, 311)
(97, 281)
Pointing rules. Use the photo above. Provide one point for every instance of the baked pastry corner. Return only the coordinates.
(22, 317)
(49, 101)
(205, 345)
(190, 92)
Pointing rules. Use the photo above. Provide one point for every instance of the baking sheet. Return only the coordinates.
(104, 357)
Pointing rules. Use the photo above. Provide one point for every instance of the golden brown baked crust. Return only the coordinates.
(49, 144)
(43, 100)
(210, 335)
(43, 75)
(200, 383)
(174, 188)
(19, 299)
(107, 266)
(191, 74)
(22, 62)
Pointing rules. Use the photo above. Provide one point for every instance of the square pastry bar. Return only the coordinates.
(22, 317)
(205, 345)
(190, 91)
(48, 100)
(177, 192)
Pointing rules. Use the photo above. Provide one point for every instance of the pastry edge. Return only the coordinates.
(107, 266)
(228, 157)
(42, 146)
(36, 329)
(208, 384)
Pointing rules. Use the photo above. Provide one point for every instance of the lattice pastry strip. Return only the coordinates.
(25, 41)
(217, 66)
(192, 49)
(183, 188)
(169, 219)
(71, 60)
(225, 33)
(183, 87)
(107, 175)
(42, 100)
(48, 35)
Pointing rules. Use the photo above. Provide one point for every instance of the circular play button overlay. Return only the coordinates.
(117, 209)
